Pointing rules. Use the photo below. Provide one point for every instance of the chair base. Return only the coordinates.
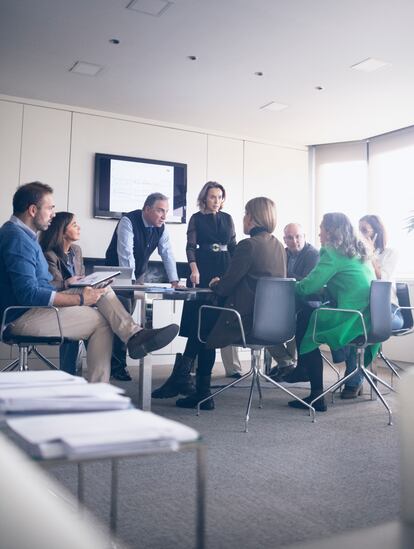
(256, 373)
(372, 379)
(22, 363)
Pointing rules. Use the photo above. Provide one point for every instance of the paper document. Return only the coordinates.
(38, 378)
(113, 433)
(63, 398)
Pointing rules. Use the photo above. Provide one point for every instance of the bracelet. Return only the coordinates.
(81, 300)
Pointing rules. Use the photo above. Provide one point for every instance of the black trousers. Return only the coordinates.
(311, 362)
(206, 357)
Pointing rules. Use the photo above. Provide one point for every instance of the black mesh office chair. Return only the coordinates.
(26, 343)
(404, 305)
(380, 330)
(274, 321)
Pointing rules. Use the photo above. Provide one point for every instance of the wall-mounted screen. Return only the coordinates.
(122, 184)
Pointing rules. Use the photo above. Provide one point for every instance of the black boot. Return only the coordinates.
(179, 382)
(203, 391)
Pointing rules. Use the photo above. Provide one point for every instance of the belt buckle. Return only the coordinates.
(215, 247)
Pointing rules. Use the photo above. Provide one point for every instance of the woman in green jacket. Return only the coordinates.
(347, 275)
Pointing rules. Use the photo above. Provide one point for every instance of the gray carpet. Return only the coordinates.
(285, 481)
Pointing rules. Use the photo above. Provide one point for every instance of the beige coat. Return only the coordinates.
(58, 269)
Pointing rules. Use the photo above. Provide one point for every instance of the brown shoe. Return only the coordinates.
(146, 341)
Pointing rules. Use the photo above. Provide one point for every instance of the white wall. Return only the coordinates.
(56, 144)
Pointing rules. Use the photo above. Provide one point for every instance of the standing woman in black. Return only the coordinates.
(211, 240)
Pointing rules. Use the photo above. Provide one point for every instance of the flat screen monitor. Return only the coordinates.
(122, 184)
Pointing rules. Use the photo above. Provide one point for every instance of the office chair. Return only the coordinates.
(274, 321)
(26, 343)
(380, 330)
(404, 303)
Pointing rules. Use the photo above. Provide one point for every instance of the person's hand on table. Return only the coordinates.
(195, 278)
(213, 281)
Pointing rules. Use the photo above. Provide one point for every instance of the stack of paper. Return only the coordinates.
(66, 397)
(101, 434)
(37, 378)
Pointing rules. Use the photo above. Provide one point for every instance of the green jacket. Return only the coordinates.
(348, 281)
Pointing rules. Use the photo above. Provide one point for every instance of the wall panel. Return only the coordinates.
(46, 150)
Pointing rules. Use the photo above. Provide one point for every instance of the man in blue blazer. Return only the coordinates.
(25, 280)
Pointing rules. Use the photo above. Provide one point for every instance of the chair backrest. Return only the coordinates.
(274, 317)
(380, 309)
(403, 296)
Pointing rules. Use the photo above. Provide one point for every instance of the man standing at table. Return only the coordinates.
(301, 259)
(135, 238)
(25, 280)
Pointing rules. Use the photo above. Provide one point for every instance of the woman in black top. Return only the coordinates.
(211, 240)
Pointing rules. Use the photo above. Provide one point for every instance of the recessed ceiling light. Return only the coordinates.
(150, 7)
(258, 73)
(369, 65)
(273, 106)
(192, 57)
(87, 69)
(114, 41)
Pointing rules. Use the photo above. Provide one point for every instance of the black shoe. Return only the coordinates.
(121, 374)
(192, 401)
(298, 374)
(279, 373)
(236, 375)
(146, 341)
(351, 392)
(203, 391)
(319, 405)
(179, 382)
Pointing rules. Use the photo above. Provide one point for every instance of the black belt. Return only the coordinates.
(213, 247)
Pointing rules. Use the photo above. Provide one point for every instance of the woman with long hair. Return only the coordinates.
(384, 261)
(211, 240)
(257, 256)
(65, 262)
(344, 270)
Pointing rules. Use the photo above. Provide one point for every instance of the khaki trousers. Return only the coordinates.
(231, 361)
(96, 324)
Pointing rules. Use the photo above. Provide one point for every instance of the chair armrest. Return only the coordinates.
(403, 332)
(223, 309)
(5, 324)
(349, 311)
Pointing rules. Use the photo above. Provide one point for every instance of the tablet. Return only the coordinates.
(95, 279)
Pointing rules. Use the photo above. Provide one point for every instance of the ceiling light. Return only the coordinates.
(258, 73)
(150, 7)
(369, 65)
(273, 106)
(88, 69)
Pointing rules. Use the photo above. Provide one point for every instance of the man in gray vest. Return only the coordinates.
(136, 236)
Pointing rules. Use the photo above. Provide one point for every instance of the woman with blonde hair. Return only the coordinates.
(257, 256)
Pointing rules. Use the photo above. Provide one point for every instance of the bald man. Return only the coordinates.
(301, 259)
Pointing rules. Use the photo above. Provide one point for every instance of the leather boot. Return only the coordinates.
(179, 382)
(203, 391)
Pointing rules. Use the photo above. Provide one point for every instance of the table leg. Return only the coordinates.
(114, 495)
(145, 364)
(201, 497)
(81, 485)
